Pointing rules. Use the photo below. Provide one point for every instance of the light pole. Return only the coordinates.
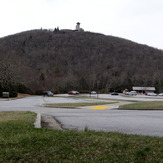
(97, 83)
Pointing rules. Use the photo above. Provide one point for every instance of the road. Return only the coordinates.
(109, 119)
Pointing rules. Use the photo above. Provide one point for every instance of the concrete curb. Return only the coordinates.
(37, 123)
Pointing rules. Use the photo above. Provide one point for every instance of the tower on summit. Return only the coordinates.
(77, 26)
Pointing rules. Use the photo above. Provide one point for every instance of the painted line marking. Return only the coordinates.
(100, 107)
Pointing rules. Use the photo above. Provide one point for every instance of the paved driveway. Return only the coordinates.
(109, 119)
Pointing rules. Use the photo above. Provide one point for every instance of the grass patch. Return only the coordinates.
(78, 96)
(77, 104)
(17, 116)
(152, 105)
(99, 98)
(20, 142)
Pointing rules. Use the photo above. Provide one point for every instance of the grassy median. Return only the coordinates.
(151, 105)
(74, 105)
(21, 142)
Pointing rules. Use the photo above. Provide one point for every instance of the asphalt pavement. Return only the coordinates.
(109, 119)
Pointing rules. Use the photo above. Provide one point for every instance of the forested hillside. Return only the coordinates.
(63, 60)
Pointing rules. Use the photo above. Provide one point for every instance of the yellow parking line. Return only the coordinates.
(100, 107)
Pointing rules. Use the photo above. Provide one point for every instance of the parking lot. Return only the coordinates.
(108, 119)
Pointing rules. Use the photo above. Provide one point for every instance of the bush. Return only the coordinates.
(39, 92)
(13, 93)
(22, 88)
(0, 93)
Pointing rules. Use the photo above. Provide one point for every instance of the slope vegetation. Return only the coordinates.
(62, 60)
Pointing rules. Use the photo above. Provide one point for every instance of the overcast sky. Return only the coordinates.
(138, 20)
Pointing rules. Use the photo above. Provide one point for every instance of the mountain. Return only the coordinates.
(63, 60)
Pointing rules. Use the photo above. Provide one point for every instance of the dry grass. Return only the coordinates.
(13, 116)
(21, 95)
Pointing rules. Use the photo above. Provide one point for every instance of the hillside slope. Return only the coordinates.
(65, 60)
